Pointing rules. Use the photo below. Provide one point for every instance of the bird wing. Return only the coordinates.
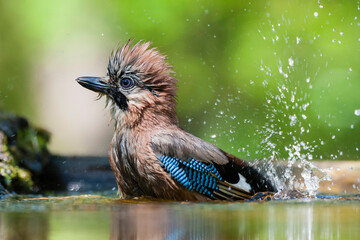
(183, 145)
(202, 167)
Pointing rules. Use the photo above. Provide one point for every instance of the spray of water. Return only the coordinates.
(286, 144)
(290, 166)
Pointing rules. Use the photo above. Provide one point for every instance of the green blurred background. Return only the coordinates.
(257, 78)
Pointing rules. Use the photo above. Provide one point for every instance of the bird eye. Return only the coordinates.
(126, 83)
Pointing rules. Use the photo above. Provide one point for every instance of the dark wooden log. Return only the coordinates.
(81, 174)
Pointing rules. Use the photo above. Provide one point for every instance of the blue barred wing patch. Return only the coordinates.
(193, 175)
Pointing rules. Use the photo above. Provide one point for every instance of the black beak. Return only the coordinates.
(95, 84)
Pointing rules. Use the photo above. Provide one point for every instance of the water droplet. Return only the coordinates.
(333, 137)
(308, 80)
(350, 69)
(213, 136)
(341, 33)
(357, 112)
(291, 62)
(316, 14)
(292, 120)
(74, 186)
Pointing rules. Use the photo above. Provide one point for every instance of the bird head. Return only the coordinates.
(138, 85)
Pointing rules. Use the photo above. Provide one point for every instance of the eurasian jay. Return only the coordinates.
(150, 154)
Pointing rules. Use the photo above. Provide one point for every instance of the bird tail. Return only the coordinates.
(256, 181)
(228, 191)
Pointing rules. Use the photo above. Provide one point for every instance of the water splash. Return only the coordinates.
(288, 103)
(286, 143)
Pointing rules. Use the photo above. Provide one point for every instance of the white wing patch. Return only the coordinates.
(242, 184)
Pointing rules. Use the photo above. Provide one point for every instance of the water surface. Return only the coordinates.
(98, 217)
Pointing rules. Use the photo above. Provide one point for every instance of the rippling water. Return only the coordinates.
(98, 217)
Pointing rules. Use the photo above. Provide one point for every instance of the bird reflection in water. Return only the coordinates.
(178, 220)
(154, 221)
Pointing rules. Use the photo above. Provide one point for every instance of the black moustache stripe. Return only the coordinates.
(120, 100)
